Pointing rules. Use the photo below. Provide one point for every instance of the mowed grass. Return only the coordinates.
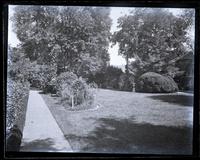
(128, 122)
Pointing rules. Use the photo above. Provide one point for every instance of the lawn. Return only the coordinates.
(128, 122)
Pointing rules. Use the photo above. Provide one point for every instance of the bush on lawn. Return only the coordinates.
(64, 80)
(151, 82)
(79, 90)
(17, 99)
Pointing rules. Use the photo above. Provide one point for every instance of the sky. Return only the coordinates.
(12, 38)
(115, 13)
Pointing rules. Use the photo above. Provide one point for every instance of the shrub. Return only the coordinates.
(79, 90)
(51, 87)
(41, 76)
(17, 99)
(35, 77)
(64, 80)
(151, 82)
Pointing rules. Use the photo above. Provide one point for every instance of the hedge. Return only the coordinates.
(16, 105)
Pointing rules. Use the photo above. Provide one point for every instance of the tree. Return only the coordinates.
(64, 35)
(154, 37)
(34, 27)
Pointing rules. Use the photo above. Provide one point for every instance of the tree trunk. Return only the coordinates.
(127, 64)
(72, 101)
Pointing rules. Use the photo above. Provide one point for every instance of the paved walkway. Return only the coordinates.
(41, 132)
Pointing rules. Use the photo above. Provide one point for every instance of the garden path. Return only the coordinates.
(41, 132)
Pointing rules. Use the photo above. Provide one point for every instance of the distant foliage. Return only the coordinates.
(87, 65)
(151, 82)
(126, 83)
(18, 65)
(107, 77)
(185, 76)
(40, 76)
(113, 77)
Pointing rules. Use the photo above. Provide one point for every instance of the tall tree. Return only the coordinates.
(153, 37)
(64, 35)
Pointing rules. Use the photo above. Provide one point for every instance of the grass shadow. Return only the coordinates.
(40, 145)
(126, 136)
(183, 100)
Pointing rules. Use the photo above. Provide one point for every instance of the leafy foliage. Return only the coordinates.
(18, 65)
(16, 101)
(79, 91)
(65, 36)
(154, 37)
(112, 77)
(126, 83)
(64, 79)
(184, 77)
(41, 75)
(17, 96)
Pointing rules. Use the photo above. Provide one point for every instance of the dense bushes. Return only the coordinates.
(18, 65)
(126, 83)
(66, 84)
(151, 82)
(112, 78)
(17, 99)
(185, 77)
(40, 76)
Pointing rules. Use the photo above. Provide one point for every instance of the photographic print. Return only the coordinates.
(89, 79)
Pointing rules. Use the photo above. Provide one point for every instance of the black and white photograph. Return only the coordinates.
(100, 79)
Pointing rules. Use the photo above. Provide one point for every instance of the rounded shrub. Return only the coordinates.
(151, 82)
(64, 80)
(79, 90)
